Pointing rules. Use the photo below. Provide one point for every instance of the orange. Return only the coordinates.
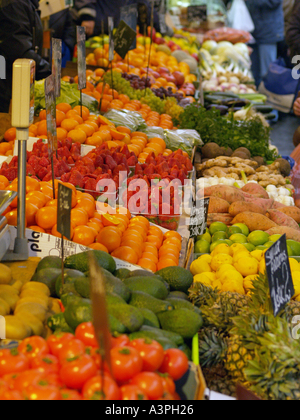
(86, 196)
(153, 230)
(165, 263)
(97, 221)
(83, 111)
(125, 253)
(60, 116)
(124, 211)
(109, 220)
(169, 249)
(32, 185)
(37, 198)
(109, 238)
(138, 248)
(98, 247)
(52, 203)
(12, 218)
(174, 241)
(42, 128)
(54, 232)
(95, 226)
(103, 208)
(155, 240)
(92, 123)
(77, 136)
(61, 133)
(84, 235)
(73, 115)
(42, 115)
(147, 264)
(69, 124)
(79, 217)
(124, 98)
(138, 229)
(4, 180)
(46, 217)
(33, 129)
(141, 220)
(156, 147)
(87, 205)
(88, 129)
(10, 134)
(150, 256)
(116, 135)
(123, 219)
(64, 107)
(37, 229)
(47, 190)
(172, 234)
(150, 247)
(139, 134)
(30, 213)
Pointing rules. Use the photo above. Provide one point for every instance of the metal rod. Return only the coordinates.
(22, 150)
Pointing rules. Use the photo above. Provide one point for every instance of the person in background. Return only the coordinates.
(268, 19)
(91, 14)
(21, 36)
(63, 27)
(283, 49)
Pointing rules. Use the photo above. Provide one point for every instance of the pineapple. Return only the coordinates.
(237, 358)
(200, 295)
(217, 380)
(212, 347)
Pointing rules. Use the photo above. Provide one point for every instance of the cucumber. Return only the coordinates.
(264, 109)
(222, 94)
(270, 116)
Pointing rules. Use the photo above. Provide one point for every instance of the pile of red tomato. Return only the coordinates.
(68, 367)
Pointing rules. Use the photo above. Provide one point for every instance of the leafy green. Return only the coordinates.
(227, 132)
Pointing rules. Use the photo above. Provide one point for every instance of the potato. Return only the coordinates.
(241, 206)
(218, 205)
(284, 230)
(293, 212)
(219, 217)
(264, 204)
(225, 192)
(254, 221)
(282, 219)
(256, 190)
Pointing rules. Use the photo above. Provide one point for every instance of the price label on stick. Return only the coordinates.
(56, 64)
(111, 39)
(51, 114)
(129, 15)
(123, 39)
(279, 275)
(64, 207)
(81, 60)
(198, 219)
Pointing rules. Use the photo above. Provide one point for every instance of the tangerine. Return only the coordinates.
(79, 217)
(147, 264)
(125, 253)
(98, 247)
(46, 217)
(84, 235)
(109, 238)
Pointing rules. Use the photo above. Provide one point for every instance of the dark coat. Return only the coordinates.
(293, 31)
(21, 36)
(63, 27)
(268, 18)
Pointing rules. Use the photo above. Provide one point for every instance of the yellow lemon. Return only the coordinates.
(202, 278)
(238, 248)
(257, 255)
(247, 266)
(262, 266)
(231, 276)
(219, 260)
(294, 265)
(233, 286)
(240, 255)
(217, 285)
(198, 267)
(212, 276)
(223, 269)
(207, 258)
(248, 282)
(296, 282)
(221, 249)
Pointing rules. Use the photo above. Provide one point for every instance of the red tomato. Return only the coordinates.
(132, 393)
(10, 395)
(99, 389)
(33, 346)
(10, 379)
(168, 383)
(77, 371)
(175, 363)
(150, 351)
(95, 354)
(70, 350)
(29, 377)
(86, 333)
(126, 362)
(12, 361)
(70, 395)
(42, 392)
(45, 363)
(121, 341)
(167, 397)
(57, 340)
(151, 383)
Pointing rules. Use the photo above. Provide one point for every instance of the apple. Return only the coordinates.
(155, 74)
(175, 48)
(159, 41)
(171, 44)
(196, 57)
(170, 78)
(179, 77)
(153, 33)
(162, 70)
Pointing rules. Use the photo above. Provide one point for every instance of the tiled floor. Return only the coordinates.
(282, 133)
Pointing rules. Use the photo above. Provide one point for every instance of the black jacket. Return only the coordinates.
(21, 36)
(293, 31)
(63, 27)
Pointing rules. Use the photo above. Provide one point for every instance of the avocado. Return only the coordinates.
(176, 338)
(128, 315)
(185, 348)
(58, 322)
(68, 274)
(83, 287)
(178, 278)
(69, 287)
(141, 273)
(180, 303)
(181, 321)
(144, 300)
(122, 273)
(116, 327)
(49, 262)
(70, 299)
(81, 261)
(178, 295)
(113, 299)
(116, 286)
(150, 318)
(150, 285)
(78, 312)
(48, 277)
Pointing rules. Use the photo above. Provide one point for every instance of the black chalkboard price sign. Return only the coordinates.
(198, 218)
(279, 275)
(64, 207)
(129, 15)
(197, 13)
(123, 39)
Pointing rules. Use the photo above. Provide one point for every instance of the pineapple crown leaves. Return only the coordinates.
(260, 294)
(201, 295)
(212, 347)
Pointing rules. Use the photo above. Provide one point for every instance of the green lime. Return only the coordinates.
(274, 238)
(229, 242)
(269, 244)
(205, 237)
(244, 228)
(290, 252)
(217, 227)
(202, 247)
(233, 230)
(258, 237)
(219, 235)
(238, 238)
(215, 244)
(250, 247)
(261, 248)
(295, 247)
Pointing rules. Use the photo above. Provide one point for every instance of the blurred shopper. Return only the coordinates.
(268, 18)
(91, 14)
(63, 27)
(293, 31)
(283, 49)
(21, 36)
